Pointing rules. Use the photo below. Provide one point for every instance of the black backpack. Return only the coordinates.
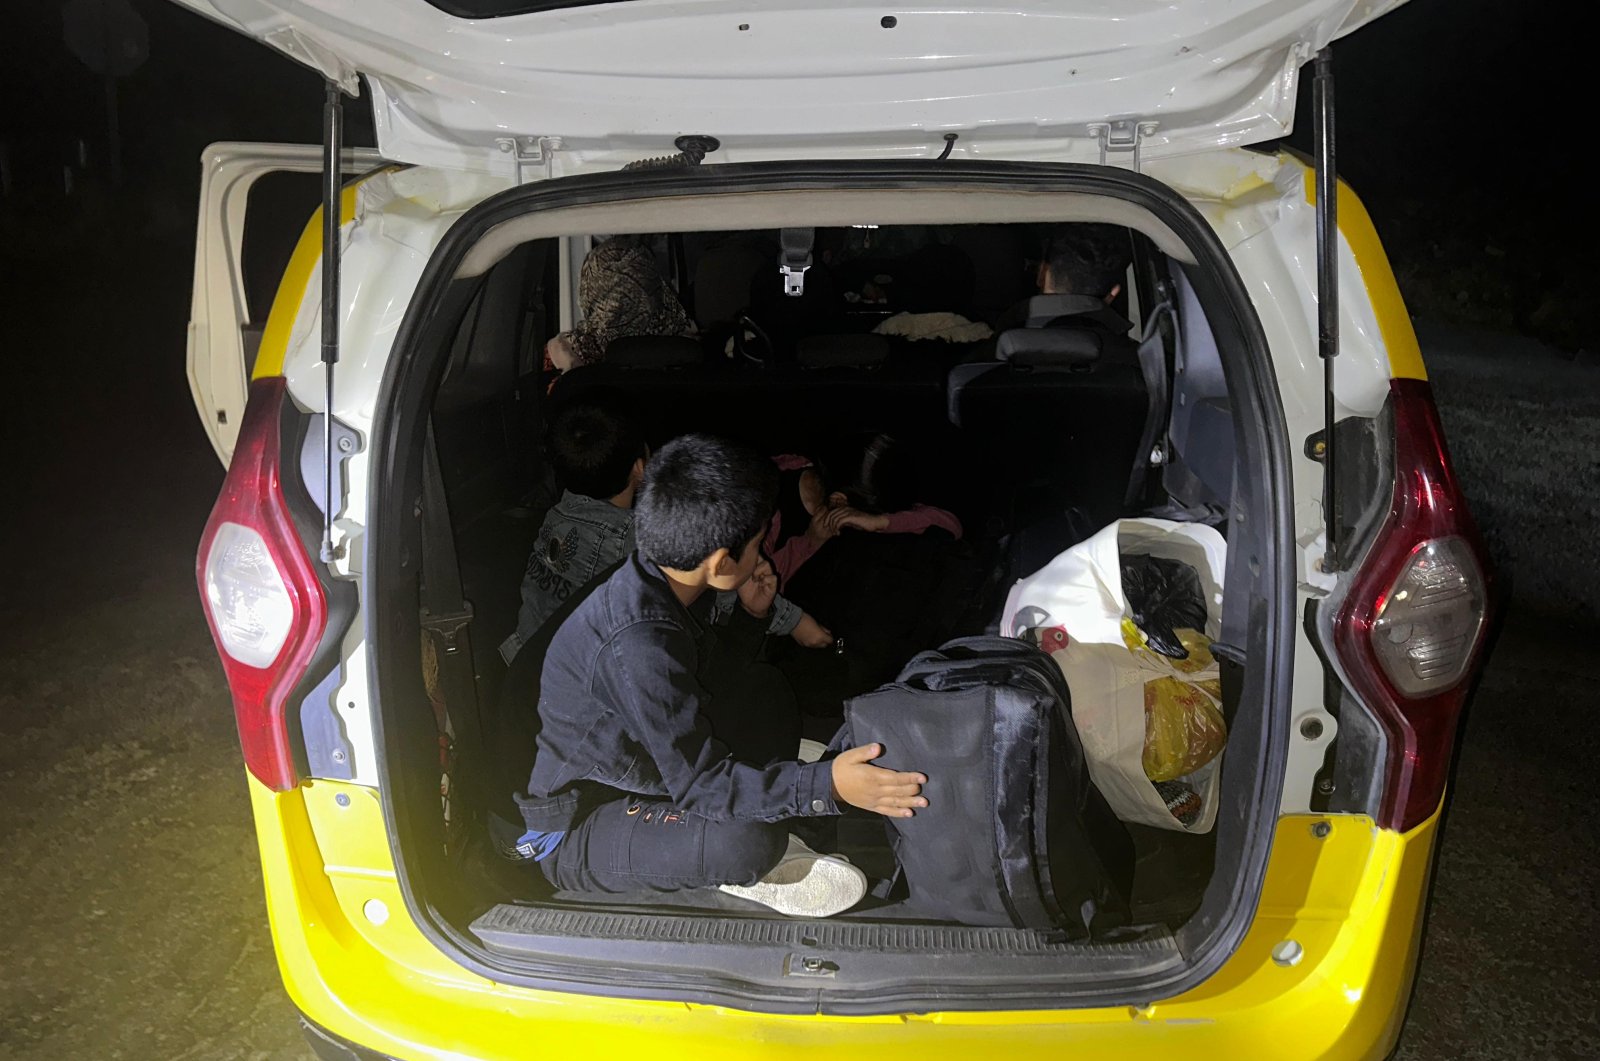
(1015, 833)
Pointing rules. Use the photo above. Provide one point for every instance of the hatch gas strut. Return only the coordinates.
(332, 184)
(1327, 285)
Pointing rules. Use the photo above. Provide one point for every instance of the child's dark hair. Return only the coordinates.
(701, 494)
(593, 445)
(876, 474)
(1088, 259)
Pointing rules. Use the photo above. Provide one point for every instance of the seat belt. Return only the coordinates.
(1153, 367)
(447, 621)
(795, 258)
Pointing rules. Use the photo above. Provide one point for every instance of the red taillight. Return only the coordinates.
(261, 595)
(1410, 632)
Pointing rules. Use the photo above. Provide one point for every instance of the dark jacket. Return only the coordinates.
(620, 710)
(581, 537)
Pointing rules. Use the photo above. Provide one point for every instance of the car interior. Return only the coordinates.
(1034, 435)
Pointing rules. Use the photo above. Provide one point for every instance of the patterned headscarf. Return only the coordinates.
(622, 293)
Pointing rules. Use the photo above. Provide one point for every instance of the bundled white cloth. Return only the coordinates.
(950, 327)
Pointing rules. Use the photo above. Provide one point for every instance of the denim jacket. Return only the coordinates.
(620, 707)
(581, 537)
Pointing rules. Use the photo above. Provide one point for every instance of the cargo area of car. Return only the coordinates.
(1031, 453)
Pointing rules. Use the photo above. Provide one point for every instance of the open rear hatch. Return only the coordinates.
(568, 87)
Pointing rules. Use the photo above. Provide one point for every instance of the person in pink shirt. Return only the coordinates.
(872, 494)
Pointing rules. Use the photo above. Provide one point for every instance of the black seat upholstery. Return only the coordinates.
(1058, 413)
(1050, 347)
(833, 351)
(655, 351)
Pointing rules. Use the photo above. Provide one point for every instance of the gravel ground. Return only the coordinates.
(1523, 423)
(137, 925)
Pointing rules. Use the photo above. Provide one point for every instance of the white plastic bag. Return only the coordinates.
(1074, 609)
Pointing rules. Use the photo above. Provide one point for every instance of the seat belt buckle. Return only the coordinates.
(795, 258)
(446, 629)
(794, 279)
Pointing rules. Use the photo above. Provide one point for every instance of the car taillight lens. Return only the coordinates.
(262, 599)
(1411, 628)
(246, 596)
(1427, 625)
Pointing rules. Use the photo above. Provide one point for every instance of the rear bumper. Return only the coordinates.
(330, 1047)
(354, 963)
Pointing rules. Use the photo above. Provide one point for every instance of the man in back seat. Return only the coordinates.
(1080, 275)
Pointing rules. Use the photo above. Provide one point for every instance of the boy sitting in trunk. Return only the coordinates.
(630, 788)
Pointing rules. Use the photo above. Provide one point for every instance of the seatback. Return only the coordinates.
(846, 386)
(1059, 412)
(723, 275)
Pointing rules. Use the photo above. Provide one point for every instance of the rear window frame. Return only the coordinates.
(1260, 579)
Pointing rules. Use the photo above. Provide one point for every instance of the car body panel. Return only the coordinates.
(217, 355)
(593, 86)
(1351, 899)
(1347, 893)
(1258, 203)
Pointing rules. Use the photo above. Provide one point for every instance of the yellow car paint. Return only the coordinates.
(291, 293)
(1361, 236)
(355, 962)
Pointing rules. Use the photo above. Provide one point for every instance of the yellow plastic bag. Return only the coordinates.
(1183, 730)
(1198, 644)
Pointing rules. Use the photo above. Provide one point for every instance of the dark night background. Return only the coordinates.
(132, 886)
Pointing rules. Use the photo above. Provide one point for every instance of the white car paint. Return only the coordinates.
(603, 83)
(218, 310)
(1255, 202)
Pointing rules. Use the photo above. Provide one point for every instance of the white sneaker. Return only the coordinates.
(806, 884)
(810, 750)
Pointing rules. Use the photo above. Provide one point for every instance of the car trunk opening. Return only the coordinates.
(464, 389)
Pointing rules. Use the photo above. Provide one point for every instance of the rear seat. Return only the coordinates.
(1057, 415)
(1008, 441)
(847, 384)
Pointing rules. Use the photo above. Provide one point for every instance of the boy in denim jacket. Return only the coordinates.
(633, 788)
(599, 458)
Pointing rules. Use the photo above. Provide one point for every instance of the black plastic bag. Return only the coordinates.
(1163, 596)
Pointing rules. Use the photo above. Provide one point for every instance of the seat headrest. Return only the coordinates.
(834, 351)
(1045, 311)
(1049, 347)
(654, 351)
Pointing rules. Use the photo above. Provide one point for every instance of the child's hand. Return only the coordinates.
(825, 524)
(559, 351)
(757, 591)
(811, 634)
(888, 792)
(862, 521)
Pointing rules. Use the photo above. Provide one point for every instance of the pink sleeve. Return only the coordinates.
(787, 559)
(919, 518)
(789, 462)
(774, 527)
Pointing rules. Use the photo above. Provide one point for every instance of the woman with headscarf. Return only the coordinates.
(620, 293)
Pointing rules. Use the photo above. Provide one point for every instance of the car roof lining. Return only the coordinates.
(820, 208)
